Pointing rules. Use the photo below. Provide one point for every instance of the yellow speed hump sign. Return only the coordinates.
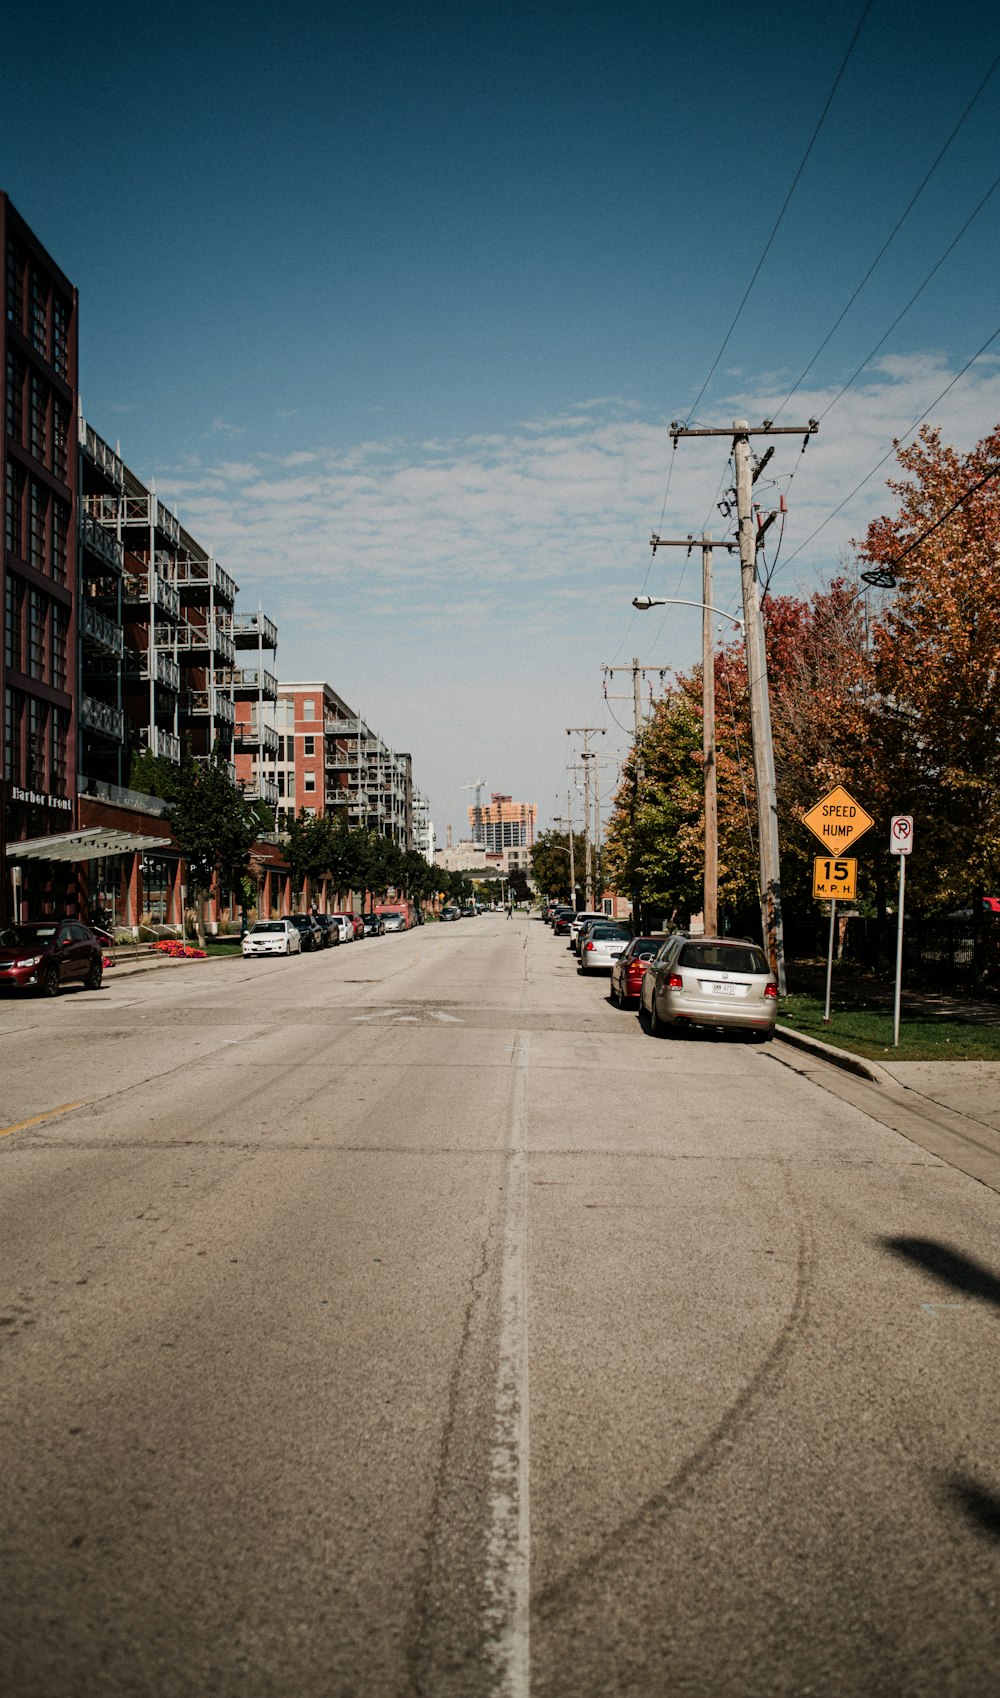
(838, 820)
(834, 881)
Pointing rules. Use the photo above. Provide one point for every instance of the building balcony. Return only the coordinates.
(101, 633)
(208, 704)
(102, 719)
(148, 588)
(248, 682)
(96, 450)
(229, 766)
(198, 579)
(155, 741)
(252, 738)
(165, 668)
(261, 789)
(254, 630)
(101, 542)
(196, 642)
(128, 511)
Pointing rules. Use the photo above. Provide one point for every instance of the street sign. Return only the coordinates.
(834, 881)
(901, 834)
(838, 820)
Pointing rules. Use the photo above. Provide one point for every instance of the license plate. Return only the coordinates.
(722, 990)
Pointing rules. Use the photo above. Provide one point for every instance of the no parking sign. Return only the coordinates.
(901, 834)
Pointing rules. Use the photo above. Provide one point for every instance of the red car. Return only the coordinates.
(627, 972)
(358, 922)
(48, 954)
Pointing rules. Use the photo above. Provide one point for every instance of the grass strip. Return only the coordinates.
(866, 1029)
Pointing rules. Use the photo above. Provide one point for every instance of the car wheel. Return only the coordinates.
(761, 1037)
(50, 981)
(95, 974)
(656, 1025)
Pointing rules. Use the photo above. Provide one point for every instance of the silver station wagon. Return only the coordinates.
(724, 983)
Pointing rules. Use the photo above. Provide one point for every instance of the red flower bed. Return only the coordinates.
(179, 951)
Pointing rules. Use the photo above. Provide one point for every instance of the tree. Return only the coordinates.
(549, 858)
(214, 827)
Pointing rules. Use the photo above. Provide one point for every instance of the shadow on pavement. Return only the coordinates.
(979, 1506)
(950, 1266)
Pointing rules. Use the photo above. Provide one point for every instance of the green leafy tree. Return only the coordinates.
(214, 827)
(549, 858)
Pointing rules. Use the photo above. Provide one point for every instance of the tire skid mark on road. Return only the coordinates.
(715, 1446)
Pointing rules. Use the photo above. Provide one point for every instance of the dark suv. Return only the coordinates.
(47, 954)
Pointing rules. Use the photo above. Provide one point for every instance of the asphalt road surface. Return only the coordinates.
(403, 1321)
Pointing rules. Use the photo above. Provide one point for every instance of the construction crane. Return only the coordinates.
(477, 785)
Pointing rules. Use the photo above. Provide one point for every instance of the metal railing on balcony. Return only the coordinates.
(166, 671)
(261, 789)
(251, 736)
(203, 575)
(100, 455)
(253, 629)
(230, 766)
(210, 704)
(137, 589)
(200, 640)
(102, 719)
(160, 742)
(100, 541)
(98, 629)
(252, 681)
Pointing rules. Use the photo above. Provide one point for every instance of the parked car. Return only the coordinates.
(393, 920)
(329, 932)
(308, 930)
(628, 970)
(343, 924)
(46, 954)
(358, 922)
(562, 922)
(601, 943)
(451, 914)
(579, 921)
(726, 983)
(374, 926)
(272, 937)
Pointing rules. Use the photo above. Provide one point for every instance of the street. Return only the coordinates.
(402, 1320)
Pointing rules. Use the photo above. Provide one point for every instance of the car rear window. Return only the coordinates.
(724, 957)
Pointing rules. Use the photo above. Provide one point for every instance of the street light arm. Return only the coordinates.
(645, 602)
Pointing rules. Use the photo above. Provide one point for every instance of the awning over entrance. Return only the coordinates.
(90, 845)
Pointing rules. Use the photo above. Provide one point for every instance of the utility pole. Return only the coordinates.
(638, 672)
(756, 659)
(586, 755)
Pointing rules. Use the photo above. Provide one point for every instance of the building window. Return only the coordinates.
(15, 284)
(60, 438)
(37, 417)
(14, 396)
(60, 336)
(36, 634)
(13, 510)
(13, 614)
(309, 783)
(281, 749)
(57, 633)
(281, 784)
(13, 717)
(60, 539)
(37, 515)
(308, 745)
(58, 738)
(309, 709)
(38, 327)
(34, 763)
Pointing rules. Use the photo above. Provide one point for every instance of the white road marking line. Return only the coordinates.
(508, 1574)
(437, 1014)
(379, 1014)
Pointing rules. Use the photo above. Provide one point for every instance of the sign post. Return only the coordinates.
(838, 821)
(900, 843)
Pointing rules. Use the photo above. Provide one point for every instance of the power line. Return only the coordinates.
(777, 223)
(889, 454)
(894, 232)
(901, 315)
(884, 578)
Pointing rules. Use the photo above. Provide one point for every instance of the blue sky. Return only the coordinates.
(396, 306)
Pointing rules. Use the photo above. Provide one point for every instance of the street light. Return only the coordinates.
(645, 602)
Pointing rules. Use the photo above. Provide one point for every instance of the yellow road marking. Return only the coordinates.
(50, 1114)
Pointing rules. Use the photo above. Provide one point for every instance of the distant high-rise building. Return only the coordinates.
(502, 824)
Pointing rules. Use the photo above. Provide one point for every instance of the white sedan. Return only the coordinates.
(272, 937)
(601, 943)
(345, 926)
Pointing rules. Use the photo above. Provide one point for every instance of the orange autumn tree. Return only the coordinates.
(935, 651)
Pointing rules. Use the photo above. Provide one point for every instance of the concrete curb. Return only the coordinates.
(858, 1064)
